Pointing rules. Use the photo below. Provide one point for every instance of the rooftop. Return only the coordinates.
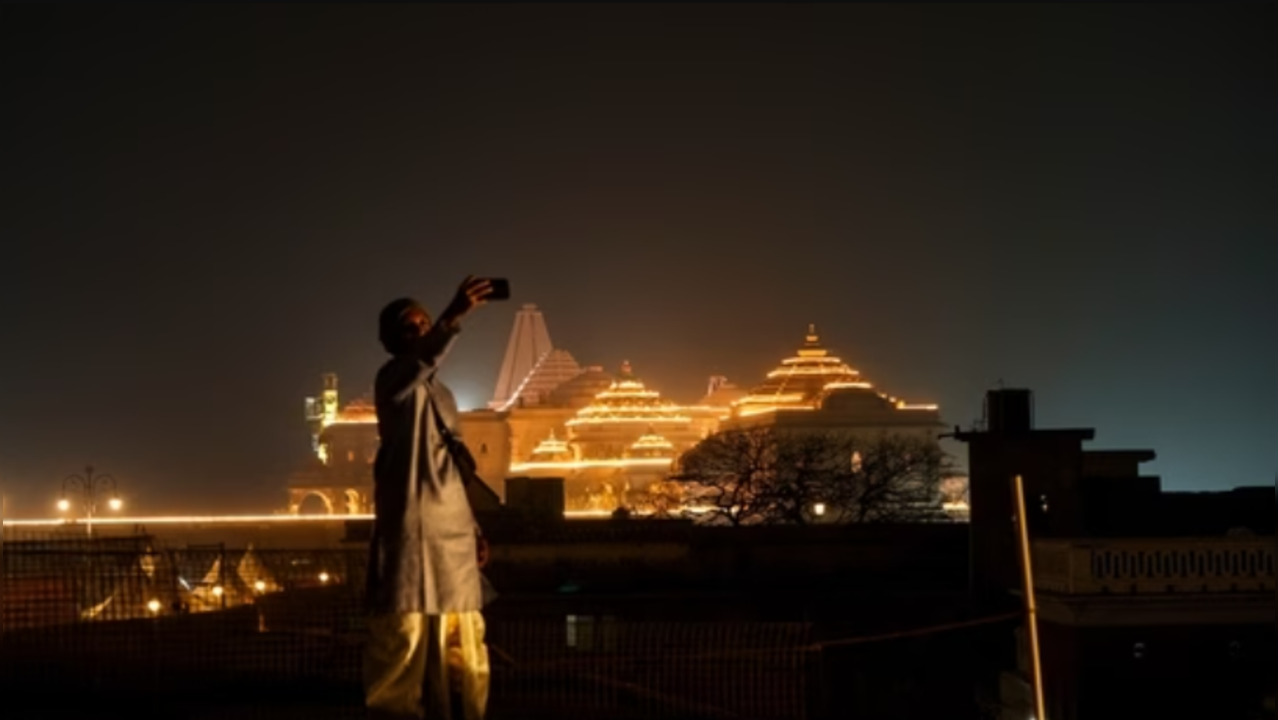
(805, 380)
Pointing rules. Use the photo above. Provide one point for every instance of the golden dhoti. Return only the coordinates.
(425, 666)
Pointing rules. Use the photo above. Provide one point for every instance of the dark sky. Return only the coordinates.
(205, 207)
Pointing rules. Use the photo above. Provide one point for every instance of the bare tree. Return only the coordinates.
(806, 466)
(889, 478)
(759, 475)
(727, 476)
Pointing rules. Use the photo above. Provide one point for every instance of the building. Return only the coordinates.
(608, 435)
(339, 478)
(613, 451)
(814, 390)
(611, 436)
(532, 367)
(1151, 604)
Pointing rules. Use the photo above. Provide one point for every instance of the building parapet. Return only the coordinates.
(1154, 566)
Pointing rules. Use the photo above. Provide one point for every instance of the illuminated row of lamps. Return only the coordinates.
(154, 605)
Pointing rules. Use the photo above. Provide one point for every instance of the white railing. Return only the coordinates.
(1155, 565)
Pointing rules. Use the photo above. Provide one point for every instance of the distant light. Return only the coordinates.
(323, 577)
(259, 586)
(198, 519)
(115, 503)
(154, 607)
(64, 505)
(819, 509)
(217, 591)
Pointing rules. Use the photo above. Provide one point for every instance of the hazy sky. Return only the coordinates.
(205, 207)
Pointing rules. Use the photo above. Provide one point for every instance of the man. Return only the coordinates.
(426, 654)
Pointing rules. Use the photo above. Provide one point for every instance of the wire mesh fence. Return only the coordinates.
(123, 627)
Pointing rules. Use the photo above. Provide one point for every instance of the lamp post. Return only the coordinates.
(89, 487)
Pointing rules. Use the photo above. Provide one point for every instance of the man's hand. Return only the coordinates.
(472, 293)
(481, 550)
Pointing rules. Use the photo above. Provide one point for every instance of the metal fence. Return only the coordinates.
(123, 627)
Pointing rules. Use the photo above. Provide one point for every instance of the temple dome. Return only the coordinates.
(627, 400)
(814, 379)
(552, 449)
(802, 380)
(653, 445)
(854, 399)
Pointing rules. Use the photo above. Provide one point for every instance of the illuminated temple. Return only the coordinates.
(814, 389)
(613, 449)
(339, 478)
(611, 436)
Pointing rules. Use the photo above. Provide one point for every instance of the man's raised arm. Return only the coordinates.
(409, 370)
(401, 378)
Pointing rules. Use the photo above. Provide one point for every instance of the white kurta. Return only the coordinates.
(423, 555)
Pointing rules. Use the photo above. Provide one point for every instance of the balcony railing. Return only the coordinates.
(1155, 566)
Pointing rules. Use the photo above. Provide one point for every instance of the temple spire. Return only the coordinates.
(532, 366)
(812, 339)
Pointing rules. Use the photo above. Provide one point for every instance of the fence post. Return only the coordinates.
(221, 574)
(4, 568)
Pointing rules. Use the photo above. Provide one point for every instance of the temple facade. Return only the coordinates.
(611, 437)
(814, 390)
(612, 451)
(338, 480)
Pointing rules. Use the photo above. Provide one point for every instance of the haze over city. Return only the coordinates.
(205, 211)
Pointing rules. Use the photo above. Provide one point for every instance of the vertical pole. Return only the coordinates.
(92, 497)
(221, 572)
(4, 570)
(1031, 607)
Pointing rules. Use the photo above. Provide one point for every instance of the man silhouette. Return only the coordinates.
(425, 655)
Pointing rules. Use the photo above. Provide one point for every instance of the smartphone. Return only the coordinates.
(501, 289)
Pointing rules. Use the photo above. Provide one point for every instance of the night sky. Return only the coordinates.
(205, 207)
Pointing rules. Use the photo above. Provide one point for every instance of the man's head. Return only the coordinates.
(400, 323)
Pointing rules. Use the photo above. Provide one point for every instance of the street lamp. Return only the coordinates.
(89, 487)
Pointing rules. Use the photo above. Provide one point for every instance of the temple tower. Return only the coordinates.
(330, 399)
(532, 366)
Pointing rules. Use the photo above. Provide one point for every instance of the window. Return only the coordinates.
(1235, 650)
(589, 633)
(580, 631)
(1138, 651)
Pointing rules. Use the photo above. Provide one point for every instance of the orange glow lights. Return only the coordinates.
(652, 441)
(191, 519)
(551, 446)
(803, 381)
(628, 400)
(584, 464)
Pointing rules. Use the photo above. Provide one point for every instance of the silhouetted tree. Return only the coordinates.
(727, 476)
(890, 478)
(806, 467)
(760, 475)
